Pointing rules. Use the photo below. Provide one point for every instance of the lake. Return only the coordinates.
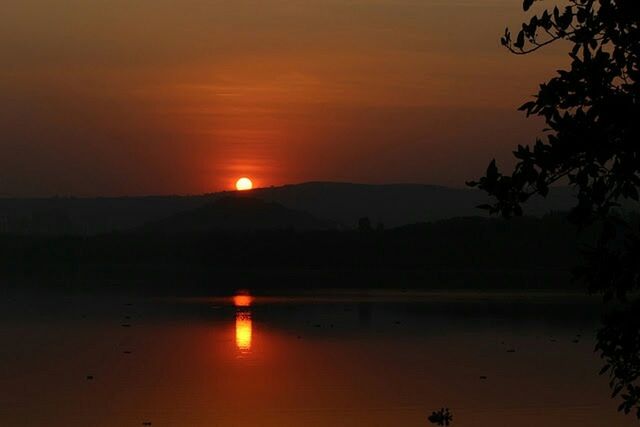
(314, 359)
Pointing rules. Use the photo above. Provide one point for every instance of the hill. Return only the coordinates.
(466, 253)
(395, 204)
(237, 213)
(392, 205)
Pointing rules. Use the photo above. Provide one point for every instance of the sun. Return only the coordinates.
(243, 184)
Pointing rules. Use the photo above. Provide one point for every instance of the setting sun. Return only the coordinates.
(243, 184)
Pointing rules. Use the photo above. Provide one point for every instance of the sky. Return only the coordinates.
(132, 97)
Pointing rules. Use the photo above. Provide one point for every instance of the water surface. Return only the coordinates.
(323, 359)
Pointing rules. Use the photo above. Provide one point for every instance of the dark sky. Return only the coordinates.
(112, 97)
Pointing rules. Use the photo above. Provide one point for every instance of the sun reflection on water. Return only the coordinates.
(242, 300)
(243, 331)
(244, 327)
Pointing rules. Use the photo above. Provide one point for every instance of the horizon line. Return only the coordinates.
(205, 194)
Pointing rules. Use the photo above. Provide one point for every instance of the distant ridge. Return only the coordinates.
(238, 213)
(390, 204)
(395, 204)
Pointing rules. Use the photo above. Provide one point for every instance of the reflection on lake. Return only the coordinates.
(242, 302)
(372, 359)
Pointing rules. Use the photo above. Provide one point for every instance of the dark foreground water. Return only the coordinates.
(372, 359)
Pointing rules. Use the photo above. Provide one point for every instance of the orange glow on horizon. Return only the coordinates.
(204, 107)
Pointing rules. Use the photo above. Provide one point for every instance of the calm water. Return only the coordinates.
(376, 359)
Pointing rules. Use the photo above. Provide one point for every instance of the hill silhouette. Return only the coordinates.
(203, 249)
(239, 213)
(392, 205)
(395, 204)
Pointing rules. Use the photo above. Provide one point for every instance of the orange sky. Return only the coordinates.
(112, 97)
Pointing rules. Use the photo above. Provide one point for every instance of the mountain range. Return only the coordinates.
(237, 213)
(308, 205)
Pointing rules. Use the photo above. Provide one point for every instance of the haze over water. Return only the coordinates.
(367, 359)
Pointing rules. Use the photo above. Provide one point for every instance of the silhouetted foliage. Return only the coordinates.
(592, 113)
(442, 417)
(612, 266)
(591, 110)
(619, 345)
